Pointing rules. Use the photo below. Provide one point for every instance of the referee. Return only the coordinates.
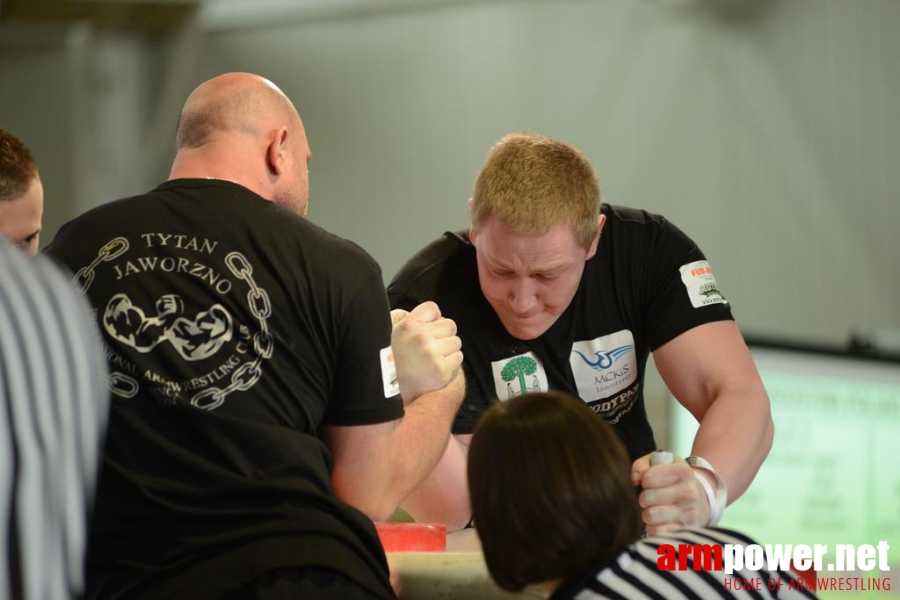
(53, 412)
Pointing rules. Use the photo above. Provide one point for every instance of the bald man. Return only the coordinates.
(21, 194)
(260, 419)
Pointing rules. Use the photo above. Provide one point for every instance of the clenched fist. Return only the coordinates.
(672, 497)
(427, 351)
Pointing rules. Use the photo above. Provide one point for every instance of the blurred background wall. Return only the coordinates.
(767, 130)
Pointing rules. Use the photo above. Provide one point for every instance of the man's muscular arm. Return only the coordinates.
(710, 370)
(376, 466)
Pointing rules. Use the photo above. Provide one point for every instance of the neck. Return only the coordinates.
(231, 165)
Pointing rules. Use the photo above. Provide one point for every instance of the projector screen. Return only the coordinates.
(833, 474)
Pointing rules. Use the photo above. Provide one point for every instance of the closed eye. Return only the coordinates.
(30, 238)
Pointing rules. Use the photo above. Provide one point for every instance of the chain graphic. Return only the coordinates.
(118, 383)
(195, 336)
(122, 385)
(112, 250)
(246, 375)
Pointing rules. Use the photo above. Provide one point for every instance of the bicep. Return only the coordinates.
(704, 363)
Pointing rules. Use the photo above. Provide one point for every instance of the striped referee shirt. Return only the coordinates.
(634, 574)
(54, 408)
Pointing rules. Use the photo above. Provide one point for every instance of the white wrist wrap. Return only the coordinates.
(718, 498)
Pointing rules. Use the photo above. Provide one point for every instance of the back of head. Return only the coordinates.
(232, 105)
(240, 127)
(551, 489)
(17, 167)
(531, 183)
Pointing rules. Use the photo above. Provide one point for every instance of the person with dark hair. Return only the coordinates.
(552, 289)
(53, 413)
(21, 194)
(265, 411)
(553, 504)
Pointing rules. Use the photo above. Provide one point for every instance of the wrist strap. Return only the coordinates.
(718, 498)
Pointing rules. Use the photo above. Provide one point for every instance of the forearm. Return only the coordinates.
(443, 497)
(735, 436)
(711, 372)
(375, 474)
(423, 437)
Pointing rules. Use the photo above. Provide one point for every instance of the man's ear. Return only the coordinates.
(277, 151)
(601, 221)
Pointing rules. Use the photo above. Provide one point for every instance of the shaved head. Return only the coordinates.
(242, 128)
(231, 103)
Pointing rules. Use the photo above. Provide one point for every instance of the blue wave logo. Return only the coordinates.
(604, 360)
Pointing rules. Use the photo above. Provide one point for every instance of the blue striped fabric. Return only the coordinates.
(54, 409)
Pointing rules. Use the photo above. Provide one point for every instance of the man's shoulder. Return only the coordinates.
(617, 214)
(104, 210)
(445, 247)
(333, 249)
(135, 209)
(637, 228)
(450, 255)
(214, 206)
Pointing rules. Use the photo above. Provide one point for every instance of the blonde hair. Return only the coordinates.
(531, 183)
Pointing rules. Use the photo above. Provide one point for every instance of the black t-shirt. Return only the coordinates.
(233, 329)
(647, 283)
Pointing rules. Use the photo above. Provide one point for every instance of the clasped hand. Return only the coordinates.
(427, 351)
(672, 497)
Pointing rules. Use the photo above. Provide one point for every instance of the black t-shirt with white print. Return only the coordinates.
(647, 283)
(234, 329)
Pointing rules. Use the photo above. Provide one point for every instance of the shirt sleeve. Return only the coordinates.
(362, 377)
(681, 291)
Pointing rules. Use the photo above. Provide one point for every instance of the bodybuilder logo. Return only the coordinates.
(194, 339)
